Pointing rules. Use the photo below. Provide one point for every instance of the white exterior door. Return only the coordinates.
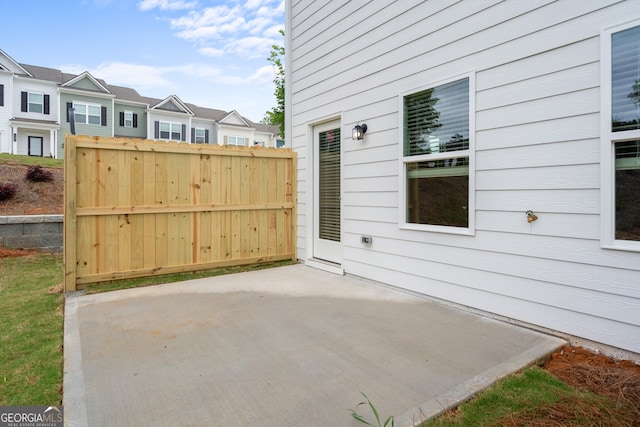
(327, 218)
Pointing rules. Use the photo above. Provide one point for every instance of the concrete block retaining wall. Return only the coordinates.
(43, 232)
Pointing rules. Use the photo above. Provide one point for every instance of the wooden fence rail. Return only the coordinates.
(137, 208)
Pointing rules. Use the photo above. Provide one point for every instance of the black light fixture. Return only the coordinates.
(359, 131)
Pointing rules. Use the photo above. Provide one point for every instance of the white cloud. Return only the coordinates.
(274, 32)
(264, 74)
(247, 31)
(250, 47)
(257, 25)
(209, 23)
(211, 52)
(166, 4)
(253, 4)
(139, 77)
(195, 70)
(269, 10)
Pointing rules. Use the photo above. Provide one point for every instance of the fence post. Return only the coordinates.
(69, 239)
(294, 210)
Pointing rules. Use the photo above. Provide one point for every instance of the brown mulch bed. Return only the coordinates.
(588, 371)
(32, 198)
(581, 368)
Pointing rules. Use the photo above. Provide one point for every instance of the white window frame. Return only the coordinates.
(41, 103)
(128, 119)
(86, 114)
(469, 153)
(176, 132)
(236, 138)
(171, 126)
(607, 145)
(199, 136)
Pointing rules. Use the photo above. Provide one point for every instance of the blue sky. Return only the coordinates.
(211, 53)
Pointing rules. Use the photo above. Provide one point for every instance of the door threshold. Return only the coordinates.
(329, 266)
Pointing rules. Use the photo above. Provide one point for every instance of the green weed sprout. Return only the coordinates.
(358, 417)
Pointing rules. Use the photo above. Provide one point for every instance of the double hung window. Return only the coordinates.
(199, 136)
(87, 113)
(621, 137)
(437, 136)
(236, 140)
(128, 119)
(171, 131)
(36, 102)
(30, 102)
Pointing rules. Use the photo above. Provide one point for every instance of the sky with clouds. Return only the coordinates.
(212, 53)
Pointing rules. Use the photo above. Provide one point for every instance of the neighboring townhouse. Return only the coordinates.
(93, 106)
(28, 109)
(129, 112)
(499, 169)
(35, 104)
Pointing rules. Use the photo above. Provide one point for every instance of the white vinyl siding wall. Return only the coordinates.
(537, 147)
(6, 111)
(35, 87)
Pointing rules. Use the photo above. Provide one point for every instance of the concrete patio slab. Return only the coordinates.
(288, 346)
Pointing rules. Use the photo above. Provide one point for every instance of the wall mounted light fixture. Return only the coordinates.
(359, 131)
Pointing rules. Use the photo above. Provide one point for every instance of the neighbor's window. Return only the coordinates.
(236, 140)
(436, 155)
(624, 135)
(36, 102)
(176, 131)
(171, 131)
(128, 119)
(199, 133)
(87, 113)
(165, 130)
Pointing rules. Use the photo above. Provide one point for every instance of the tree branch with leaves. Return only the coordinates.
(275, 116)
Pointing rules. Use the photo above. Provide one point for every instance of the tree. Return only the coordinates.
(421, 121)
(635, 93)
(275, 116)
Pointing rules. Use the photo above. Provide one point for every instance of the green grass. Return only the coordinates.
(535, 396)
(31, 332)
(533, 387)
(31, 161)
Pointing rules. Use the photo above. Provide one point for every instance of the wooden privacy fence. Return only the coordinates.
(137, 208)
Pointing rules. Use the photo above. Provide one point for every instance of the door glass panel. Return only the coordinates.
(329, 185)
(35, 146)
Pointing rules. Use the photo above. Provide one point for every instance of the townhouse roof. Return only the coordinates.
(44, 73)
(126, 94)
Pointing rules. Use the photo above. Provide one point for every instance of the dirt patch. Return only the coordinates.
(32, 198)
(11, 253)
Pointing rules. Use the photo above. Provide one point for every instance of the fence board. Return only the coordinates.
(135, 208)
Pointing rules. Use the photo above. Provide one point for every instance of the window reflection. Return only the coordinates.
(625, 80)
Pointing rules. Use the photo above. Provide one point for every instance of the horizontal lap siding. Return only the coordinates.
(140, 131)
(537, 148)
